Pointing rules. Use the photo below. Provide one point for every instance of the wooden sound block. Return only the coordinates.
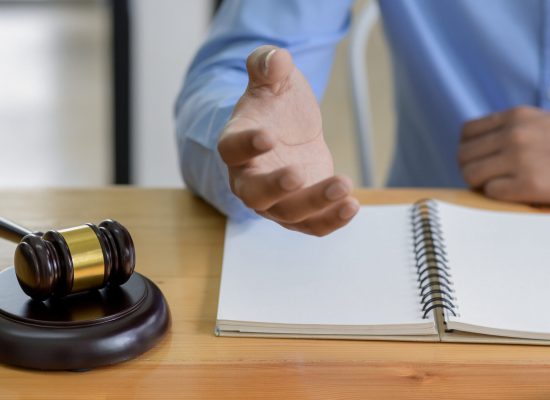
(81, 331)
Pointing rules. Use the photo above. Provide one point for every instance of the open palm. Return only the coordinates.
(278, 161)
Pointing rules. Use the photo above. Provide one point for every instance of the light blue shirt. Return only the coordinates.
(452, 60)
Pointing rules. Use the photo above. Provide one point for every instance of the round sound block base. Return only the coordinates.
(81, 331)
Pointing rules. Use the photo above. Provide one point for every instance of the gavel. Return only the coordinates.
(66, 261)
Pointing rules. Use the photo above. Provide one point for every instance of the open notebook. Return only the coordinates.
(428, 271)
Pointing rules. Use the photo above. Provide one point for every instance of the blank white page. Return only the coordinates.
(362, 274)
(500, 264)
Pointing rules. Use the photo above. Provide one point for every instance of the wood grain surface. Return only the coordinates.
(179, 244)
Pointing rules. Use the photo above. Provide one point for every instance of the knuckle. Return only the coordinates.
(516, 112)
(247, 197)
(532, 184)
(256, 192)
(521, 112)
(495, 191)
(519, 137)
(469, 175)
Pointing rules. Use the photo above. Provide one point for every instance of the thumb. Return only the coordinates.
(269, 67)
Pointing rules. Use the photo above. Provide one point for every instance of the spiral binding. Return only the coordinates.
(434, 278)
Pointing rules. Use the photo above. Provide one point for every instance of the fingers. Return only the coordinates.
(478, 172)
(480, 146)
(262, 191)
(506, 155)
(333, 218)
(497, 120)
(312, 200)
(280, 196)
(482, 125)
(269, 67)
(502, 188)
(517, 189)
(238, 148)
(533, 190)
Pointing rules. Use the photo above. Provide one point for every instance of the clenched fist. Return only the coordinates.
(507, 155)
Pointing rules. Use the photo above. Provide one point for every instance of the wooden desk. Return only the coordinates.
(179, 245)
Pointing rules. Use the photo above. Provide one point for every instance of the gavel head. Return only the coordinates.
(73, 260)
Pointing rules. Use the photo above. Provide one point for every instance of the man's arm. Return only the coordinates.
(310, 30)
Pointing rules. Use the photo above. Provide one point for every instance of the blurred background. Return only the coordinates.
(87, 89)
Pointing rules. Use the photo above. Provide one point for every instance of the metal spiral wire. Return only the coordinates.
(435, 282)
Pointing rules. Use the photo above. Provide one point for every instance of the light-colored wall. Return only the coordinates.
(55, 109)
(166, 35)
(337, 111)
(56, 90)
(55, 102)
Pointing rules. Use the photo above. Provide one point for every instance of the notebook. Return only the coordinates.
(429, 271)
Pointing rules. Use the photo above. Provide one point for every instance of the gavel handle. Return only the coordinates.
(11, 231)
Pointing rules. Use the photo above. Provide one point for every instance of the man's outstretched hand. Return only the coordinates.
(273, 145)
(507, 155)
